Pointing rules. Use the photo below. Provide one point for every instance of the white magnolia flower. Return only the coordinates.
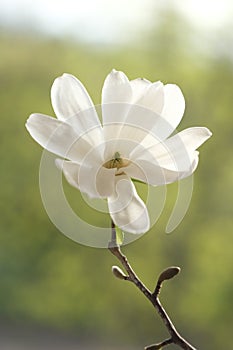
(131, 143)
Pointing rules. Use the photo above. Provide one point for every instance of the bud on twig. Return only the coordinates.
(169, 273)
(118, 273)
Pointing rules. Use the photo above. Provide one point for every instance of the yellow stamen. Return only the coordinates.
(116, 162)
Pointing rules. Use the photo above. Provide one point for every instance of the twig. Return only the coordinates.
(159, 345)
(175, 337)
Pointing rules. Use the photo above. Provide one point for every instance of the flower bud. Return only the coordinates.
(118, 273)
(169, 273)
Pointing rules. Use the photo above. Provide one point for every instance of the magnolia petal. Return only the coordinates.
(191, 138)
(105, 182)
(57, 137)
(72, 103)
(123, 146)
(153, 98)
(132, 134)
(126, 208)
(141, 118)
(69, 96)
(139, 86)
(168, 104)
(116, 97)
(70, 170)
(116, 88)
(174, 106)
(95, 182)
(176, 153)
(155, 175)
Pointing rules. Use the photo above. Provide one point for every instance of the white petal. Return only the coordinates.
(153, 98)
(116, 97)
(125, 137)
(191, 138)
(157, 111)
(139, 86)
(116, 88)
(126, 208)
(124, 144)
(105, 182)
(141, 117)
(70, 170)
(57, 137)
(176, 153)
(72, 103)
(95, 182)
(167, 103)
(144, 114)
(174, 106)
(155, 175)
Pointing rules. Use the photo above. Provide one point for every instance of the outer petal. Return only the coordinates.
(127, 209)
(70, 170)
(174, 106)
(57, 137)
(72, 103)
(176, 153)
(95, 182)
(155, 175)
(69, 97)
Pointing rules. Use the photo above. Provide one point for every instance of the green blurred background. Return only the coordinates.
(57, 293)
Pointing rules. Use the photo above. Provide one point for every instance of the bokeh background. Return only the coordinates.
(55, 293)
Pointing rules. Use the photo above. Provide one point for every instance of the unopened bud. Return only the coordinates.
(169, 273)
(118, 273)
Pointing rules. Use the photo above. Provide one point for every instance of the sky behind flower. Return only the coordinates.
(106, 21)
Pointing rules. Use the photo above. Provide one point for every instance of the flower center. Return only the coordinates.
(116, 162)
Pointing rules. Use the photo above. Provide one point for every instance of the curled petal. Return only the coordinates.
(126, 208)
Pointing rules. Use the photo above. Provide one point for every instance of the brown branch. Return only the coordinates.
(159, 345)
(152, 297)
